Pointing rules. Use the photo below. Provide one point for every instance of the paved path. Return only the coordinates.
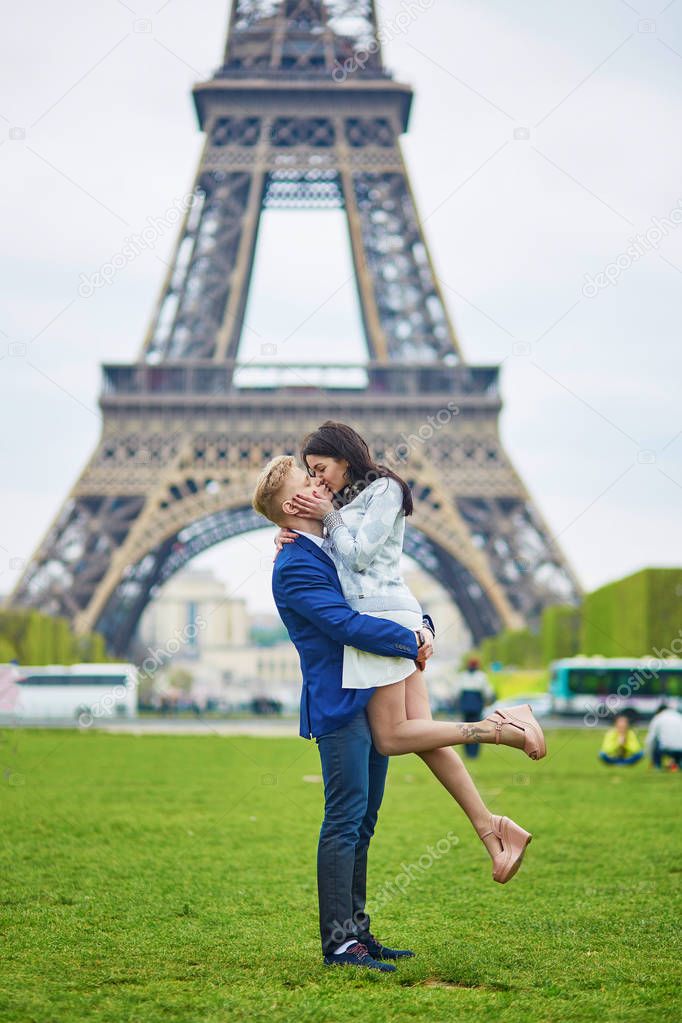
(269, 727)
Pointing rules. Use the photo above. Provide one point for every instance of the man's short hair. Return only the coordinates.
(268, 486)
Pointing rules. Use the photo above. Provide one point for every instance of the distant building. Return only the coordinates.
(452, 635)
(195, 609)
(193, 623)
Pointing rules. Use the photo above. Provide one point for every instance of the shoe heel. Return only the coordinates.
(534, 745)
(515, 840)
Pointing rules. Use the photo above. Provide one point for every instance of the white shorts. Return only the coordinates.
(362, 670)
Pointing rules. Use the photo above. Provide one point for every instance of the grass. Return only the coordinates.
(173, 878)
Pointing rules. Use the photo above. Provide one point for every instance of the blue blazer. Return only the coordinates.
(320, 623)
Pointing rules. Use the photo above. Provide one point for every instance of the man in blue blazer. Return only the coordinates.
(320, 623)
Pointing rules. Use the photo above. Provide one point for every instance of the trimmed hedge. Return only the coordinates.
(634, 617)
(638, 616)
(31, 637)
(520, 647)
(560, 632)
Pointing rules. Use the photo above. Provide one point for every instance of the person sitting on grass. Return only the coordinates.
(664, 738)
(621, 745)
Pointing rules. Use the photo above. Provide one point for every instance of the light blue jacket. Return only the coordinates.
(366, 538)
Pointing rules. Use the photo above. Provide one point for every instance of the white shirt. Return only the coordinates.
(666, 728)
(319, 540)
(476, 681)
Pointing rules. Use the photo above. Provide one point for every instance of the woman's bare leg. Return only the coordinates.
(395, 734)
(448, 767)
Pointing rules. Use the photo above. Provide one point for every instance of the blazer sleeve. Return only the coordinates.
(309, 591)
(385, 503)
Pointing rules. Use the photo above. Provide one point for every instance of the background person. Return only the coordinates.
(621, 745)
(474, 692)
(664, 738)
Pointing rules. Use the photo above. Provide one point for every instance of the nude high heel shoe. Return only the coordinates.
(521, 717)
(514, 842)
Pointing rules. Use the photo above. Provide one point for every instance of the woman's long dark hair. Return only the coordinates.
(336, 440)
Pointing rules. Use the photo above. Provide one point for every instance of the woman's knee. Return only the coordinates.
(382, 745)
(384, 742)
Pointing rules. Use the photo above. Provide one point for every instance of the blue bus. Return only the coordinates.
(601, 686)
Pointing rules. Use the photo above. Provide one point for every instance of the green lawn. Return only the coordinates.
(173, 878)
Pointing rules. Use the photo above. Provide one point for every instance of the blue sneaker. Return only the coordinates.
(379, 951)
(357, 955)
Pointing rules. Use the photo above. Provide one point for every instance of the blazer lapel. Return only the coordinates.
(315, 549)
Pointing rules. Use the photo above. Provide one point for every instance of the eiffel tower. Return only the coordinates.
(302, 113)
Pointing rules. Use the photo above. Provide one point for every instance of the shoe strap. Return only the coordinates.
(498, 729)
(492, 831)
(506, 721)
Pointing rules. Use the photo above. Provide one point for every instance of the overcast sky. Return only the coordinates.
(544, 138)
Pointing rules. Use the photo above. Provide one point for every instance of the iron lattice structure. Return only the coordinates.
(301, 113)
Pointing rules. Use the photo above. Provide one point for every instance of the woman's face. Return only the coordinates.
(329, 471)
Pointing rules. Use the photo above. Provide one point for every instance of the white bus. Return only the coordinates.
(80, 693)
(603, 685)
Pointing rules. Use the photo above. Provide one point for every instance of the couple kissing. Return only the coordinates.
(364, 643)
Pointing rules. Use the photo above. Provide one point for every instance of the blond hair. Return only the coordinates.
(269, 484)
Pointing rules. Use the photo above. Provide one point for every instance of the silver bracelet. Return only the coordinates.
(332, 519)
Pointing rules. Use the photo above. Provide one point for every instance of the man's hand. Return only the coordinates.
(426, 649)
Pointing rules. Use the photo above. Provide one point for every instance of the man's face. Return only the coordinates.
(298, 481)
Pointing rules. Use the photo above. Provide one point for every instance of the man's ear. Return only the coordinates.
(288, 507)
